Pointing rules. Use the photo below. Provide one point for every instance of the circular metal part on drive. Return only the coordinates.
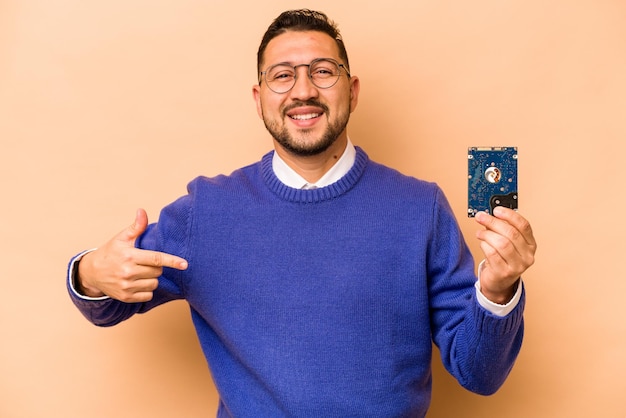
(493, 175)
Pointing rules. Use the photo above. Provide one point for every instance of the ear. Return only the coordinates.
(355, 88)
(256, 95)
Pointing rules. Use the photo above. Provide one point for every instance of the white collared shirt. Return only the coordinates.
(290, 178)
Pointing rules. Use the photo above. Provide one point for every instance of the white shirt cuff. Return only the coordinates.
(72, 279)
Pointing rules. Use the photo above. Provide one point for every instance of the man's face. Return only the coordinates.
(306, 120)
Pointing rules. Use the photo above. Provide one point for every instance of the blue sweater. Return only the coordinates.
(325, 302)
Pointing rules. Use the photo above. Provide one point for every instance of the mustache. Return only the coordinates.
(302, 103)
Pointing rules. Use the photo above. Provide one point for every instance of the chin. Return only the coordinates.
(306, 149)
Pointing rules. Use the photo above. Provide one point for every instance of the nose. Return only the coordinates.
(303, 87)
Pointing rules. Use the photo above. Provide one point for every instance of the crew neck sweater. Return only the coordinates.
(325, 302)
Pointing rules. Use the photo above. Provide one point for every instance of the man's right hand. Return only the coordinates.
(121, 271)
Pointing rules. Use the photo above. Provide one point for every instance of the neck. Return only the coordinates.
(313, 167)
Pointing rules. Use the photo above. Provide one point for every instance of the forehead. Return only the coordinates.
(300, 47)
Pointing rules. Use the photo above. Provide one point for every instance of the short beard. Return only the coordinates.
(301, 148)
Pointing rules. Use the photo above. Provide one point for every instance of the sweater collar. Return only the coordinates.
(330, 191)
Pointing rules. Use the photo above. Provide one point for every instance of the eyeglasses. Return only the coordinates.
(323, 73)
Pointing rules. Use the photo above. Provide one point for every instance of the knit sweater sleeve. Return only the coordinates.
(170, 235)
(477, 347)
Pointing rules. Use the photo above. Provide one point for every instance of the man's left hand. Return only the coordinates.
(509, 247)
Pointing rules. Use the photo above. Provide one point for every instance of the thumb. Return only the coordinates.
(132, 232)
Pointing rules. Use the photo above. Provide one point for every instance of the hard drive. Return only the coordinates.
(492, 179)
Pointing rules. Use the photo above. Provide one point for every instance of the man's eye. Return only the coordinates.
(322, 72)
(282, 76)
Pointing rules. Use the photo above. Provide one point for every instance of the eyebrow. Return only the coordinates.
(291, 64)
(282, 63)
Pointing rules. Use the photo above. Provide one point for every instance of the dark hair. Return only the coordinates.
(302, 20)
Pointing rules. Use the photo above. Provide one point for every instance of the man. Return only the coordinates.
(318, 279)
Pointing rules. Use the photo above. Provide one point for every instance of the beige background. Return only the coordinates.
(108, 106)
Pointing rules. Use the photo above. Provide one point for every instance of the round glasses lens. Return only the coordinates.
(280, 78)
(324, 73)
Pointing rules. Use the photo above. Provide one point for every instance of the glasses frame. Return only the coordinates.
(295, 77)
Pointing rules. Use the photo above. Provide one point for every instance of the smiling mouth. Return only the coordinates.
(306, 116)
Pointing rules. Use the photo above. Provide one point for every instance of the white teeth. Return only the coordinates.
(305, 117)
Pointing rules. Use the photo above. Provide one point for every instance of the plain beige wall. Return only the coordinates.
(109, 106)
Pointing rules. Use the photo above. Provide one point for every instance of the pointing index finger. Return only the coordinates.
(160, 259)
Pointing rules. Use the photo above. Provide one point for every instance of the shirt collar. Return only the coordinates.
(292, 179)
